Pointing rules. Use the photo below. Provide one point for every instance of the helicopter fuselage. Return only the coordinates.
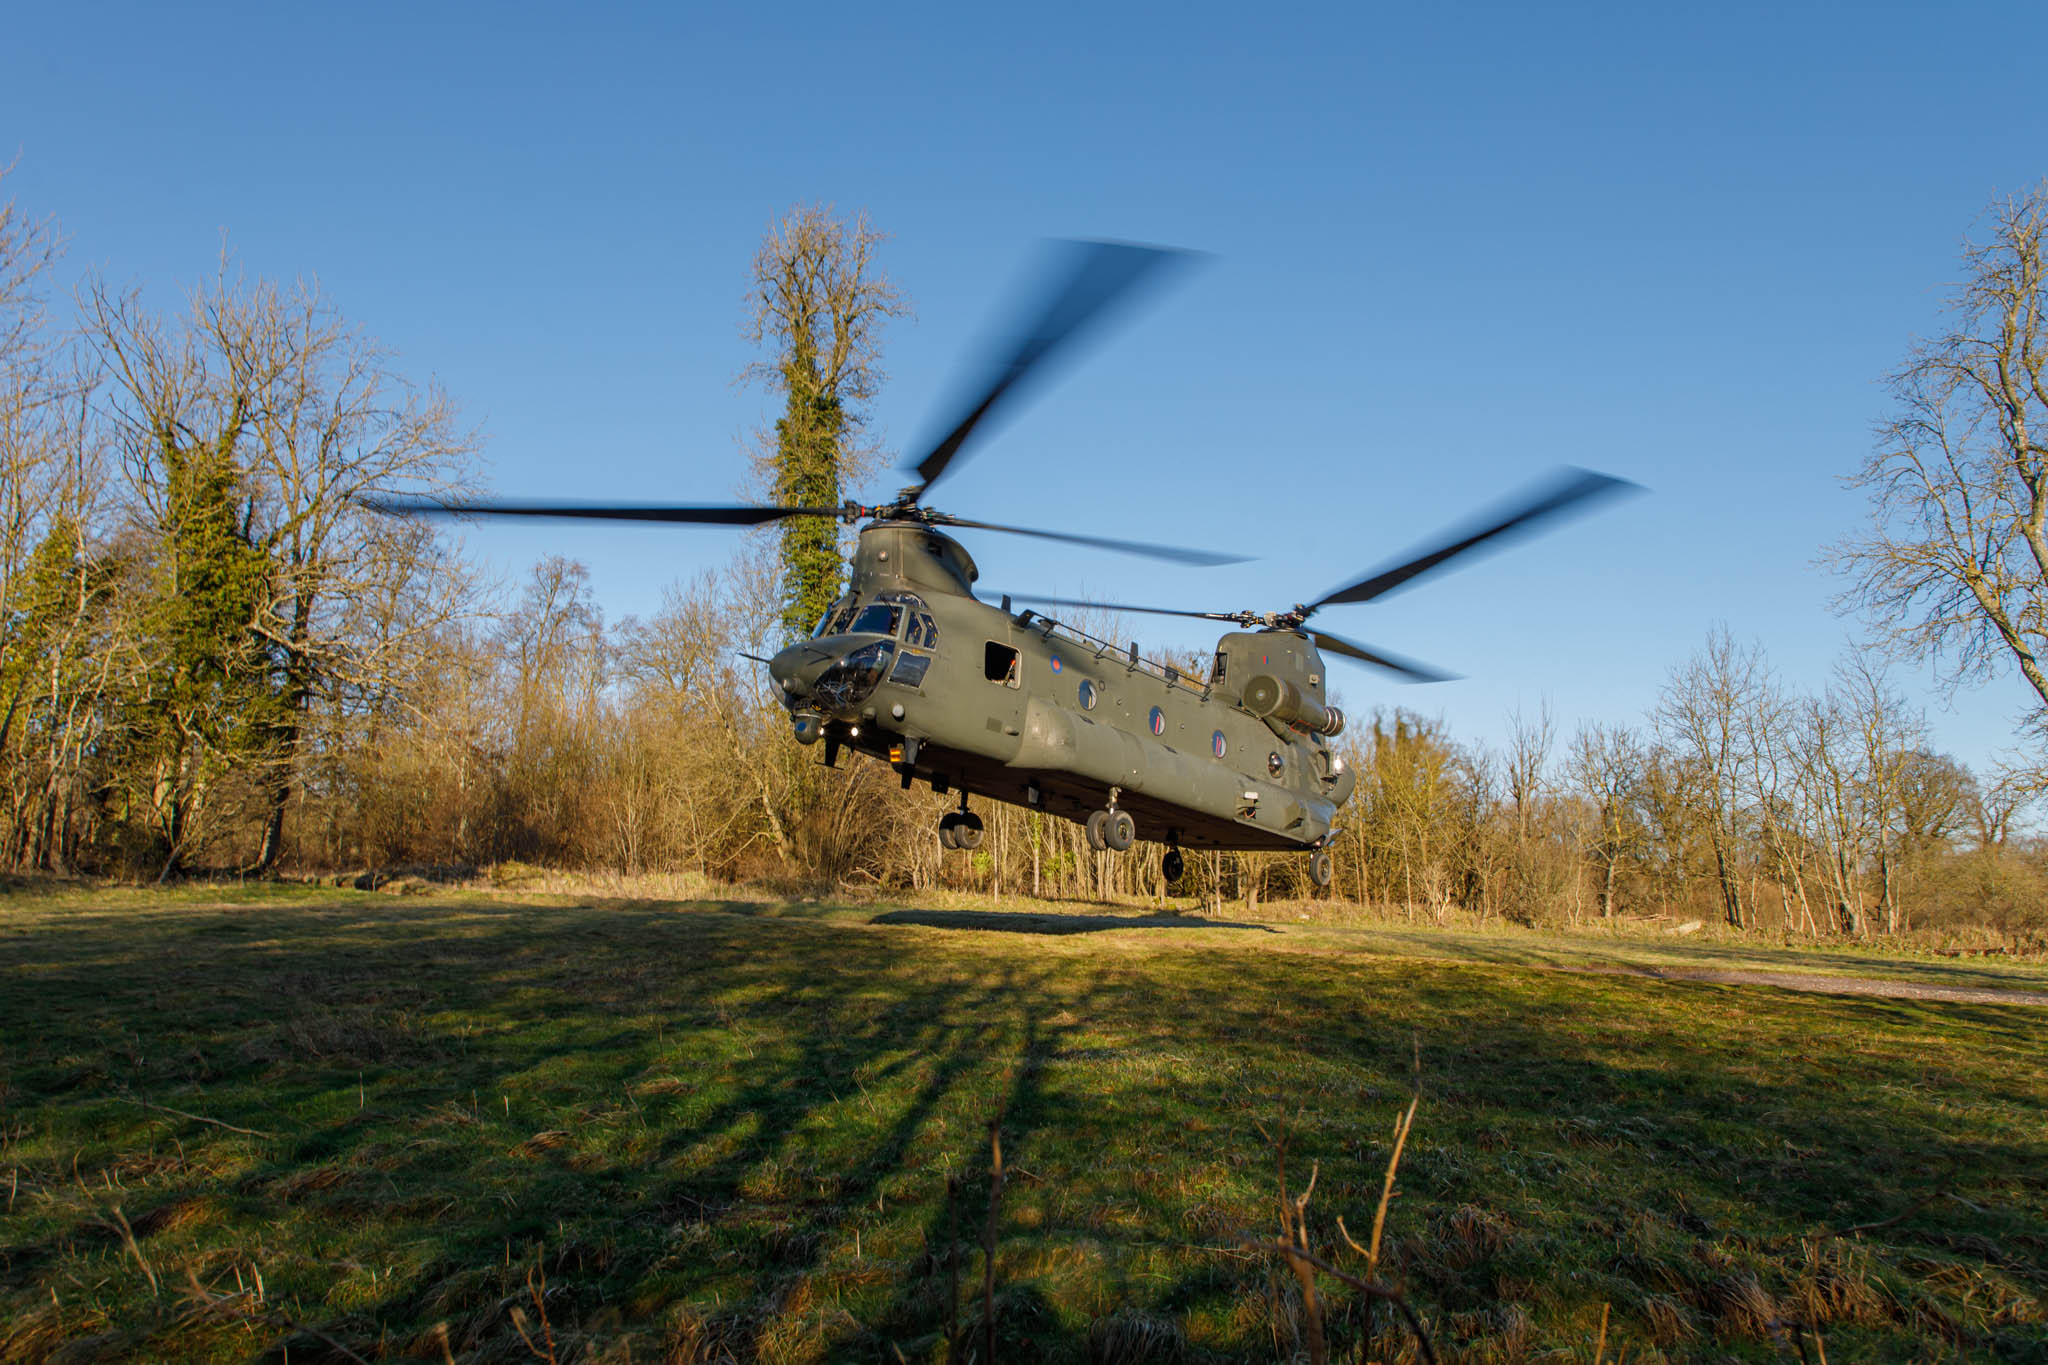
(910, 668)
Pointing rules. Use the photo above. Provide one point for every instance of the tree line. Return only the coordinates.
(215, 657)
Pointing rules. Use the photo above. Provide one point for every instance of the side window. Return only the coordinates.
(999, 664)
(1221, 660)
(910, 669)
(833, 622)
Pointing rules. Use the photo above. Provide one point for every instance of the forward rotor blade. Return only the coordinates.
(1101, 273)
(1570, 488)
(1172, 553)
(1121, 606)
(704, 514)
(1393, 663)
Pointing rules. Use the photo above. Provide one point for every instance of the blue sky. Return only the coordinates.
(1453, 247)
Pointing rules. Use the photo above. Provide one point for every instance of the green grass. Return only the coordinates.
(726, 1129)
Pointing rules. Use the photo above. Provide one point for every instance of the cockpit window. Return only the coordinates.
(833, 622)
(922, 631)
(877, 618)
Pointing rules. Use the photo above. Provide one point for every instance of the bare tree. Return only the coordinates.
(1537, 874)
(1607, 764)
(1703, 714)
(312, 418)
(1955, 565)
(29, 483)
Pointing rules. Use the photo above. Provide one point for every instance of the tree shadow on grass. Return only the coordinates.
(703, 1113)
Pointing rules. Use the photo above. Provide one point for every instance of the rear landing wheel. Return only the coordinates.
(1320, 870)
(1096, 822)
(949, 827)
(1172, 865)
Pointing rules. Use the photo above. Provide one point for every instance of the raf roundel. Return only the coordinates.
(1056, 664)
(1216, 743)
(1158, 721)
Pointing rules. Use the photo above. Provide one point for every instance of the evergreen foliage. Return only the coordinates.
(207, 702)
(807, 462)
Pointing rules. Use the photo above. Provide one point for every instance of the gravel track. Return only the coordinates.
(1827, 985)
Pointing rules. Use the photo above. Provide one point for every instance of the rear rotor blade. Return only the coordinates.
(1172, 553)
(1407, 669)
(1571, 488)
(1100, 274)
(697, 514)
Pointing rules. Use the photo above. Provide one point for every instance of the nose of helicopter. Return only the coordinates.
(796, 669)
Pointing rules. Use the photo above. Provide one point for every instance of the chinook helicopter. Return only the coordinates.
(910, 667)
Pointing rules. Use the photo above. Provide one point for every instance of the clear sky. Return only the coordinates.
(1454, 246)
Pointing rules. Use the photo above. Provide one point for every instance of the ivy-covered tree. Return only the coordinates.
(205, 706)
(818, 303)
(60, 628)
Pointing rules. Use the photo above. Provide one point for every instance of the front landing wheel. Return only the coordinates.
(1320, 869)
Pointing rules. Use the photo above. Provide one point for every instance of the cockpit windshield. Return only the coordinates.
(877, 618)
(883, 616)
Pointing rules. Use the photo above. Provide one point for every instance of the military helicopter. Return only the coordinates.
(910, 667)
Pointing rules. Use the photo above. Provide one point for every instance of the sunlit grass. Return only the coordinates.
(729, 1126)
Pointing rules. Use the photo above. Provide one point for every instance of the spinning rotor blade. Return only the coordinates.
(1405, 668)
(1133, 547)
(702, 514)
(1101, 274)
(1570, 488)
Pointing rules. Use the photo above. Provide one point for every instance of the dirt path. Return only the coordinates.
(1829, 985)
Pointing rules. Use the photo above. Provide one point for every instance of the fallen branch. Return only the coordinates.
(198, 1118)
(1852, 1230)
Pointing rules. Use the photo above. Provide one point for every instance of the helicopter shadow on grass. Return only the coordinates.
(1024, 922)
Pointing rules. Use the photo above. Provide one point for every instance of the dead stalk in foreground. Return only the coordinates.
(1293, 1247)
(988, 1239)
(539, 1294)
(952, 1266)
(128, 1240)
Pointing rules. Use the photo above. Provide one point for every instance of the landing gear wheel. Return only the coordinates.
(1121, 831)
(1097, 835)
(967, 834)
(949, 829)
(1172, 865)
(1320, 870)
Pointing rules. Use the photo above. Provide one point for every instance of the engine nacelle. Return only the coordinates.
(1265, 695)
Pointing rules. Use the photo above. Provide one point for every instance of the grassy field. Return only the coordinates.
(328, 1125)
